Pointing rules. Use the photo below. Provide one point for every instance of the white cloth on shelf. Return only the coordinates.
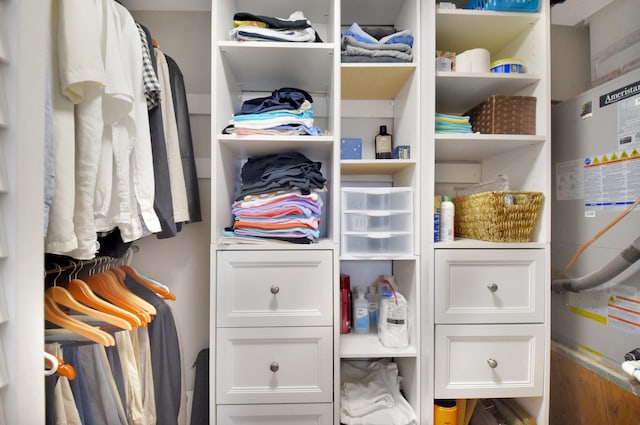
(370, 394)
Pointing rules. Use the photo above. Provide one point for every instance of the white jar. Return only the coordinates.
(447, 214)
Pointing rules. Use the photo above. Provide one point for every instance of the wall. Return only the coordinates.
(570, 61)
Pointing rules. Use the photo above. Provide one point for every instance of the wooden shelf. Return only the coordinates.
(375, 166)
(374, 81)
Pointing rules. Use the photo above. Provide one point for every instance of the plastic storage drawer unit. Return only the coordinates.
(377, 221)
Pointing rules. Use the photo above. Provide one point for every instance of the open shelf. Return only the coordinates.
(458, 92)
(243, 146)
(458, 29)
(258, 66)
(374, 166)
(374, 81)
(368, 345)
(478, 147)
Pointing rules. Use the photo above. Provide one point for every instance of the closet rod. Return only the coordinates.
(104, 260)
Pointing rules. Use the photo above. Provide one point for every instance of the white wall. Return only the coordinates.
(570, 61)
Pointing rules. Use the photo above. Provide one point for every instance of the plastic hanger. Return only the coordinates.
(83, 293)
(59, 367)
(63, 297)
(53, 314)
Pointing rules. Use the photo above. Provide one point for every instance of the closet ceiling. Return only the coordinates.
(572, 12)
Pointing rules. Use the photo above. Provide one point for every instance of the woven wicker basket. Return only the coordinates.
(501, 114)
(497, 216)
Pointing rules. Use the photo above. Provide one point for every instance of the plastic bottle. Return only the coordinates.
(393, 319)
(361, 313)
(384, 144)
(447, 214)
(436, 218)
(372, 297)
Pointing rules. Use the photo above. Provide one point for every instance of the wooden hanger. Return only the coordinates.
(140, 302)
(63, 297)
(163, 292)
(53, 314)
(112, 291)
(83, 293)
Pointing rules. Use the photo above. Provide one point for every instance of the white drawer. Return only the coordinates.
(274, 365)
(276, 414)
(490, 286)
(489, 361)
(274, 288)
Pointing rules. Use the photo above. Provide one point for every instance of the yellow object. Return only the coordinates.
(445, 412)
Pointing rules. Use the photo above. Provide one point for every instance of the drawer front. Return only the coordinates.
(276, 414)
(489, 361)
(490, 286)
(274, 365)
(274, 288)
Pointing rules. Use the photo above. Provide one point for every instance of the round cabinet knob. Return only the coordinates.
(492, 363)
(275, 289)
(274, 367)
(492, 287)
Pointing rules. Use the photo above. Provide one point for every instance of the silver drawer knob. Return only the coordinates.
(492, 287)
(274, 367)
(275, 289)
(492, 363)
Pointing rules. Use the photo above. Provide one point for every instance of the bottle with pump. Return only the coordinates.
(361, 313)
(383, 144)
(447, 214)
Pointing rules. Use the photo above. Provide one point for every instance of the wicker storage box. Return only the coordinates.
(501, 114)
(497, 216)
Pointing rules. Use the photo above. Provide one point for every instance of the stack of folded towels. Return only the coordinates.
(452, 124)
(280, 198)
(379, 44)
(296, 28)
(287, 111)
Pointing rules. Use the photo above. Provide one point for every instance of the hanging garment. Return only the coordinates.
(176, 174)
(200, 404)
(163, 203)
(165, 356)
(181, 110)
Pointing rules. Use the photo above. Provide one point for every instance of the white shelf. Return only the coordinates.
(458, 30)
(354, 345)
(476, 244)
(243, 146)
(457, 92)
(260, 66)
(477, 147)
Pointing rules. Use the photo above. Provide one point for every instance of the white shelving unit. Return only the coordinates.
(481, 321)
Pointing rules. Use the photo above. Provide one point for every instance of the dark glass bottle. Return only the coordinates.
(384, 144)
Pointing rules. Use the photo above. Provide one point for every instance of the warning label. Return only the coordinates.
(612, 181)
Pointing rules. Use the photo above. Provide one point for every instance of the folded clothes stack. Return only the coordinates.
(286, 112)
(376, 44)
(452, 124)
(280, 198)
(250, 27)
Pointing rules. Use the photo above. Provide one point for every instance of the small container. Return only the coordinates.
(445, 412)
(507, 66)
(447, 214)
(384, 144)
(372, 297)
(361, 313)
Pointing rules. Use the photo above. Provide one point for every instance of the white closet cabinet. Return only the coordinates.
(272, 332)
(490, 315)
